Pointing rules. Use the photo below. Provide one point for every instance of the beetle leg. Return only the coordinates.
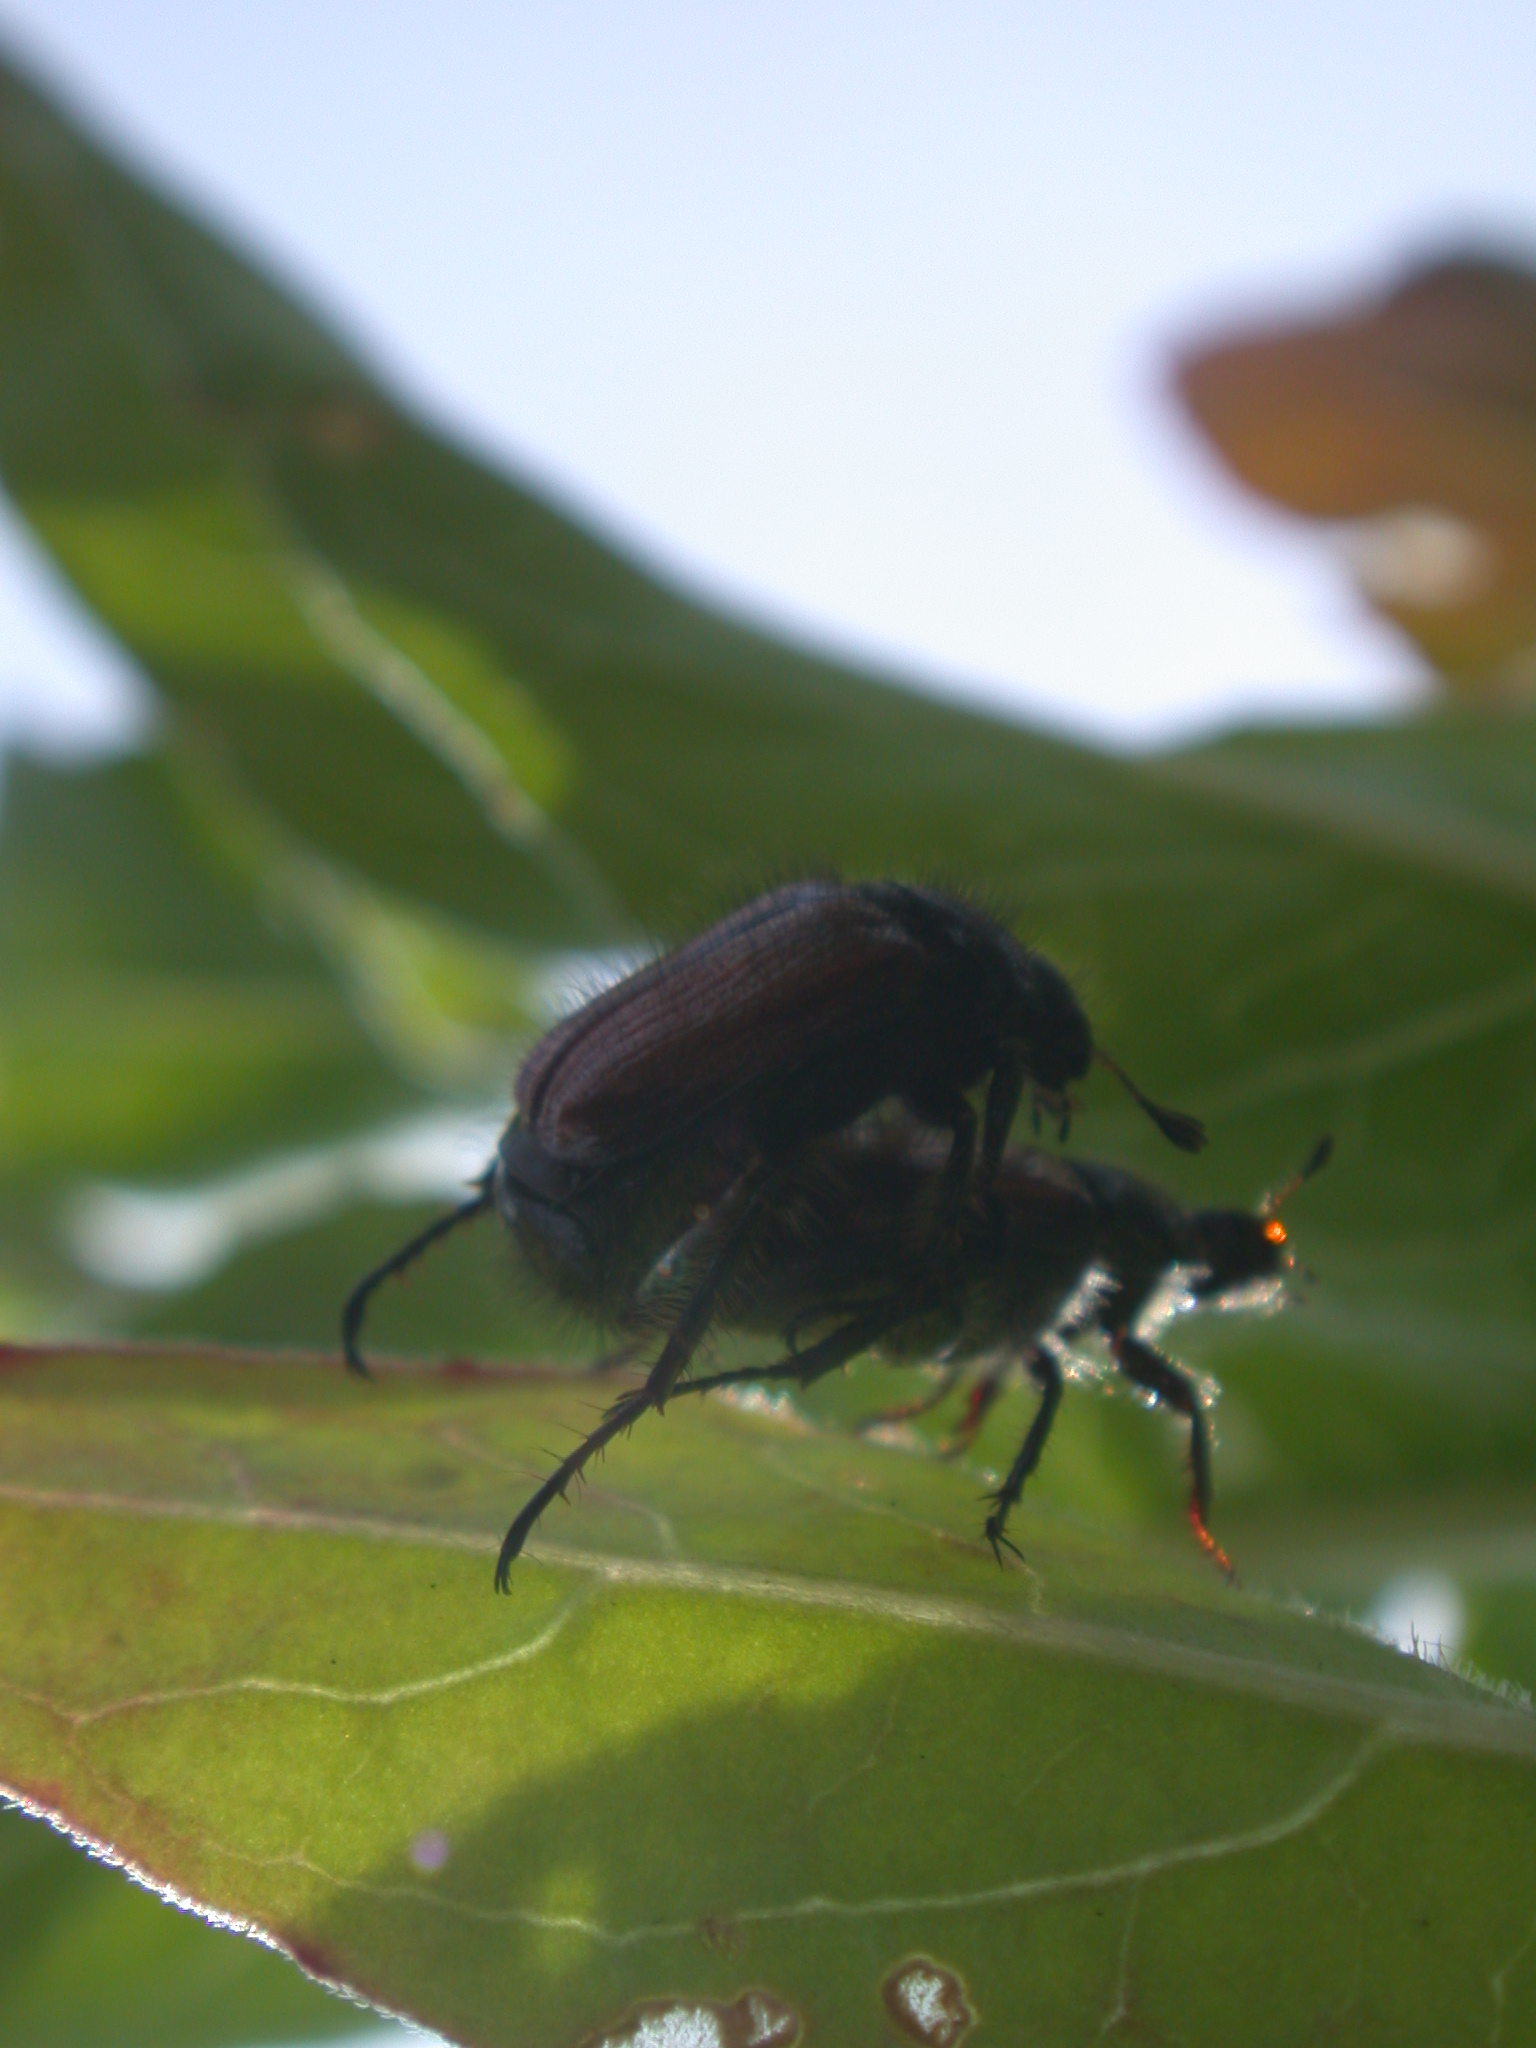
(679, 1254)
(357, 1300)
(1004, 1093)
(949, 1109)
(957, 1167)
(906, 1411)
(1046, 1374)
(806, 1367)
(1148, 1368)
(731, 1219)
(734, 1214)
(821, 1313)
(624, 1413)
(983, 1395)
(978, 1405)
(1052, 1102)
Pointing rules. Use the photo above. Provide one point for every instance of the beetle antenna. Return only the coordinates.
(1322, 1152)
(357, 1300)
(1187, 1132)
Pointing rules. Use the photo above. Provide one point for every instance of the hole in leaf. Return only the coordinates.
(927, 2002)
(754, 2020)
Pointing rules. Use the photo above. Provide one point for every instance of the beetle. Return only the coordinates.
(685, 1085)
(1146, 1243)
(1057, 1248)
(659, 1118)
(1054, 1249)
(689, 1084)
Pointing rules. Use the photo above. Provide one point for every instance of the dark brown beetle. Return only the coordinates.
(792, 1017)
(656, 1122)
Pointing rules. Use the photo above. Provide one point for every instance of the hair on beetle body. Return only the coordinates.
(656, 1123)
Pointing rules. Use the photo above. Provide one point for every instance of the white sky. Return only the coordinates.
(851, 315)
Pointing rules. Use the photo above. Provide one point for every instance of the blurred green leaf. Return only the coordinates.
(88, 1958)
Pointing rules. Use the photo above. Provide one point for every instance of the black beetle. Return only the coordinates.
(657, 1121)
(1056, 1248)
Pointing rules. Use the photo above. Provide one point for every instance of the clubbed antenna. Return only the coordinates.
(357, 1300)
(1322, 1152)
(1187, 1132)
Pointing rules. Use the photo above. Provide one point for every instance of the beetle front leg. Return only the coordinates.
(955, 1185)
(1004, 1092)
(1046, 1374)
(1148, 1368)
(948, 1110)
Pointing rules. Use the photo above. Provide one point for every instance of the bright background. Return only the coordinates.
(855, 316)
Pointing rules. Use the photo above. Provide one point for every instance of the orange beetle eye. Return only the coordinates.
(1274, 1230)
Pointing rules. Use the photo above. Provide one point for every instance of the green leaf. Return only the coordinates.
(762, 1714)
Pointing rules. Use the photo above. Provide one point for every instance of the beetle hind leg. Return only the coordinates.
(623, 1415)
(806, 1367)
(731, 1220)
(733, 1217)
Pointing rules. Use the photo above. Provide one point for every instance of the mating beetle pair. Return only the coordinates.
(1055, 1249)
(670, 1133)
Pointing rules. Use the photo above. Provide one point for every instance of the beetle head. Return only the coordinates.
(1059, 1044)
(1057, 1040)
(1236, 1247)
